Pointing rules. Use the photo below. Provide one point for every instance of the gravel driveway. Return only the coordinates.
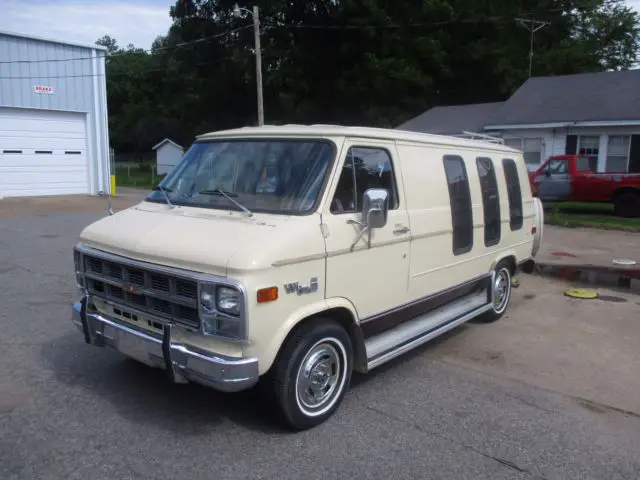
(525, 398)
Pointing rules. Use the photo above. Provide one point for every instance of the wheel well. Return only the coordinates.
(345, 318)
(620, 191)
(511, 261)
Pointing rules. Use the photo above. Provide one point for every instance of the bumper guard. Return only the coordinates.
(184, 363)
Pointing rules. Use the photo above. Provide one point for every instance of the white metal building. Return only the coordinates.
(54, 136)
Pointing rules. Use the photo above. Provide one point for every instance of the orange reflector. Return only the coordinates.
(267, 294)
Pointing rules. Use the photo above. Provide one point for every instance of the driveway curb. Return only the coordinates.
(599, 275)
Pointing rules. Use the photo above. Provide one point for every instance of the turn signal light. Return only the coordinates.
(268, 294)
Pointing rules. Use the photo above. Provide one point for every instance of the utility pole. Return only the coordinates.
(256, 39)
(256, 28)
(533, 26)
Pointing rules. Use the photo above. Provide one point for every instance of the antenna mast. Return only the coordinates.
(533, 26)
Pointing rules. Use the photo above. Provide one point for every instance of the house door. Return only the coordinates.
(374, 278)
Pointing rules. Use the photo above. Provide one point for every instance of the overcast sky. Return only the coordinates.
(84, 21)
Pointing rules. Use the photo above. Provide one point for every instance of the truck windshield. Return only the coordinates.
(278, 176)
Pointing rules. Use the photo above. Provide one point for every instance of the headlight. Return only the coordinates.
(228, 300)
(220, 310)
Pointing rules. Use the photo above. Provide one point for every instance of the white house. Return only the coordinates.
(597, 114)
(168, 155)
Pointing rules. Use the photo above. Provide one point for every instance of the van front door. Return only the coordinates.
(375, 278)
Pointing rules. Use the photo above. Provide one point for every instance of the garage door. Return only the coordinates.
(42, 153)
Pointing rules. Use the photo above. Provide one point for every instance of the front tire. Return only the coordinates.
(313, 374)
(500, 293)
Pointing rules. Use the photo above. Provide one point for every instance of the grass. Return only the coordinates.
(589, 215)
(585, 207)
(137, 175)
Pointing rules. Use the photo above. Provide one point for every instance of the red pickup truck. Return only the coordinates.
(573, 177)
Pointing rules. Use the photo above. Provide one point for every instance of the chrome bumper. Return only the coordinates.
(184, 363)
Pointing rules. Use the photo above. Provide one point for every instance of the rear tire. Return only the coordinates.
(500, 293)
(627, 205)
(312, 374)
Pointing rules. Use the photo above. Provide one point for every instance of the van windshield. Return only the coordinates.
(265, 175)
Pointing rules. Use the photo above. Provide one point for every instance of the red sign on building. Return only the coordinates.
(43, 89)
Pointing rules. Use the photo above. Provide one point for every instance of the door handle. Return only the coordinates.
(401, 229)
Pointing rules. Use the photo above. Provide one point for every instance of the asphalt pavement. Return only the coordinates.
(72, 411)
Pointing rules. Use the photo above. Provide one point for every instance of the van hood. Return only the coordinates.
(199, 239)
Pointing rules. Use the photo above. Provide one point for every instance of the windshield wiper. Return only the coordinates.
(164, 192)
(218, 191)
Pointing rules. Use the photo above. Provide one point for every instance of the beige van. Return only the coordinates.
(297, 254)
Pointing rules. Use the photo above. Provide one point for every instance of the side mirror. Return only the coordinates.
(375, 210)
(375, 207)
(547, 173)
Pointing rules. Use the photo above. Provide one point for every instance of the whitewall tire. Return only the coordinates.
(312, 373)
(500, 293)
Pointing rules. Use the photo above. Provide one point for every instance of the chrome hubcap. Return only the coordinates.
(318, 376)
(500, 290)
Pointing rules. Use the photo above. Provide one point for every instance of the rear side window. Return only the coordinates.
(490, 200)
(514, 193)
(460, 198)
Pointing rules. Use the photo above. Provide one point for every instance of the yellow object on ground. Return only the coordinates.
(514, 282)
(583, 293)
(113, 185)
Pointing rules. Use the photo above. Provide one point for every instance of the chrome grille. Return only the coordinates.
(158, 294)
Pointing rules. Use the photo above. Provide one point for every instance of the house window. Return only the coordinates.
(490, 200)
(460, 198)
(589, 145)
(530, 147)
(513, 193)
(618, 153)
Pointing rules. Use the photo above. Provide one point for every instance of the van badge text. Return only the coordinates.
(295, 287)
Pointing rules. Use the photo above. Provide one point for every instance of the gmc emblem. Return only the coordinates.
(131, 289)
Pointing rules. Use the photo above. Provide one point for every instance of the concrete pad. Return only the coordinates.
(590, 255)
(587, 246)
(583, 348)
(13, 207)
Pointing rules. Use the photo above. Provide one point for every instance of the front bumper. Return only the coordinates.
(184, 363)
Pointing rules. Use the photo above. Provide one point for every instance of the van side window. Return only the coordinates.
(490, 201)
(460, 198)
(364, 168)
(514, 193)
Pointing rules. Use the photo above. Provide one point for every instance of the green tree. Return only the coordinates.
(368, 62)
(110, 43)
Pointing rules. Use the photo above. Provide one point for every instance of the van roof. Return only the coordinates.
(353, 131)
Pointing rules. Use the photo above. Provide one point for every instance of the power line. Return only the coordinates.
(110, 74)
(125, 53)
(314, 27)
(499, 19)
(394, 25)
